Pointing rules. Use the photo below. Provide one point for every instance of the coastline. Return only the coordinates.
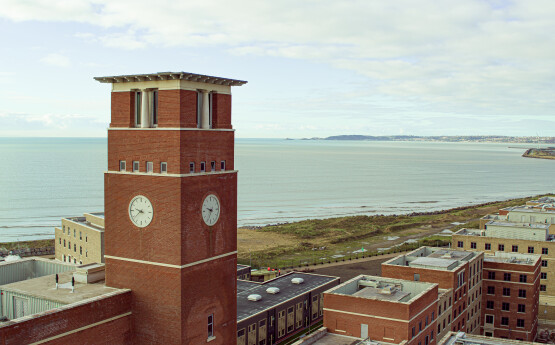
(539, 153)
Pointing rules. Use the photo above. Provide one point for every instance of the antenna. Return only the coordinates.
(56, 281)
(72, 284)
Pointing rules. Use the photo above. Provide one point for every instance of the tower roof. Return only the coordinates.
(171, 76)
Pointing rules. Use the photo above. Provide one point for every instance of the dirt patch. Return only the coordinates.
(351, 270)
(255, 241)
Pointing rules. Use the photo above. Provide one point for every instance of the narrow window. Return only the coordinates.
(222, 165)
(191, 167)
(60, 240)
(80, 250)
(213, 166)
(135, 166)
(86, 238)
(75, 247)
(155, 108)
(74, 233)
(121, 165)
(149, 167)
(163, 168)
(86, 253)
(64, 243)
(210, 326)
(202, 167)
(199, 109)
(80, 235)
(138, 109)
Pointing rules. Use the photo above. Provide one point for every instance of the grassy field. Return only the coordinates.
(27, 244)
(328, 240)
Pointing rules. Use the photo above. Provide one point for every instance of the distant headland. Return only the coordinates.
(443, 138)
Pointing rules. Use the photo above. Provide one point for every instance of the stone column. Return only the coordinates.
(205, 110)
(145, 110)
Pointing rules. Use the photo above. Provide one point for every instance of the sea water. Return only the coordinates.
(45, 179)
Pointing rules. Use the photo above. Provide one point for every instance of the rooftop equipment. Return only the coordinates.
(272, 290)
(297, 281)
(254, 297)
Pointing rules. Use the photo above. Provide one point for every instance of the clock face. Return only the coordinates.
(141, 211)
(211, 209)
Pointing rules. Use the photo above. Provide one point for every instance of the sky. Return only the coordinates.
(314, 68)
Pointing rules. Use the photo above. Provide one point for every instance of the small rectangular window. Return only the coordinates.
(210, 325)
(202, 167)
(507, 277)
(544, 263)
(506, 291)
(149, 167)
(121, 165)
(487, 246)
(522, 293)
(520, 322)
(543, 288)
(191, 167)
(515, 249)
(222, 165)
(505, 306)
(545, 251)
(523, 278)
(521, 308)
(135, 166)
(473, 245)
(543, 275)
(501, 247)
(504, 321)
(460, 244)
(164, 168)
(530, 250)
(213, 166)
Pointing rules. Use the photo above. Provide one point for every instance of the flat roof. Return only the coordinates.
(434, 262)
(520, 225)
(461, 338)
(45, 288)
(316, 338)
(513, 258)
(287, 291)
(241, 267)
(83, 221)
(201, 78)
(97, 214)
(528, 209)
(433, 258)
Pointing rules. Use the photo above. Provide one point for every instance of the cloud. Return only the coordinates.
(57, 60)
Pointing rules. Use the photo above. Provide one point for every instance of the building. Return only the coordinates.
(80, 240)
(459, 272)
(460, 338)
(243, 272)
(274, 311)
(171, 206)
(523, 239)
(383, 309)
(541, 201)
(511, 295)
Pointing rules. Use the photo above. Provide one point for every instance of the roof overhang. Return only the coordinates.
(200, 78)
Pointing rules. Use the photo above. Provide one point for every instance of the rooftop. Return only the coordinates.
(322, 337)
(85, 222)
(382, 289)
(461, 338)
(530, 209)
(433, 258)
(519, 225)
(241, 267)
(170, 76)
(287, 291)
(513, 258)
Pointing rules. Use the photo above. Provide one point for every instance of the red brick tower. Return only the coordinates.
(171, 206)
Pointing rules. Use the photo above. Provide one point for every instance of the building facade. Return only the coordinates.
(80, 240)
(171, 206)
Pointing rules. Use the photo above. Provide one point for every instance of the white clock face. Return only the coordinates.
(211, 209)
(141, 211)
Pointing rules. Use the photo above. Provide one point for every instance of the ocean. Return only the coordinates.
(45, 179)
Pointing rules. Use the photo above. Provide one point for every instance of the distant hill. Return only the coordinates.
(443, 138)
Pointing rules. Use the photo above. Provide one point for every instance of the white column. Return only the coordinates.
(145, 109)
(205, 110)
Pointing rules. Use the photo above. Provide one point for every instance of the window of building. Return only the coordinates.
(413, 331)
(460, 244)
(154, 108)
(80, 250)
(64, 243)
(473, 245)
(86, 238)
(489, 319)
(222, 165)
(487, 246)
(489, 305)
(86, 253)
(262, 332)
(213, 166)
(491, 275)
(426, 323)
(210, 326)
(504, 321)
(505, 306)
(544, 263)
(74, 260)
(433, 315)
(121, 165)
(530, 250)
(75, 247)
(74, 233)
(543, 288)
(299, 315)
(290, 319)
(521, 293)
(164, 168)
(281, 324)
(138, 95)
(523, 278)
(515, 249)
(420, 327)
(522, 308)
(520, 323)
(491, 290)
(543, 275)
(191, 167)
(60, 240)
(241, 337)
(135, 166)
(314, 308)
(501, 247)
(507, 277)
(416, 277)
(202, 167)
(80, 236)
(545, 251)
(64, 229)
(64, 256)
(68, 244)
(506, 291)
(149, 167)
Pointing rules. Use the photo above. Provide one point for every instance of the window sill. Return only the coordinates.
(210, 339)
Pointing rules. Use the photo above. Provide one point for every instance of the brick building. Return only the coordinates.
(80, 240)
(458, 271)
(511, 295)
(274, 311)
(383, 309)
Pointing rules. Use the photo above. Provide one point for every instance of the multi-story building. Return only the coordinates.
(542, 201)
(383, 309)
(459, 338)
(274, 311)
(524, 238)
(455, 270)
(511, 295)
(80, 240)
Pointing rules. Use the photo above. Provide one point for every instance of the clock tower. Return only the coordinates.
(171, 206)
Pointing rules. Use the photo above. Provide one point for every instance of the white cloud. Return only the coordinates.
(57, 60)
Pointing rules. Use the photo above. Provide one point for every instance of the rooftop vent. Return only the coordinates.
(297, 281)
(254, 297)
(272, 290)
(447, 255)
(388, 290)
